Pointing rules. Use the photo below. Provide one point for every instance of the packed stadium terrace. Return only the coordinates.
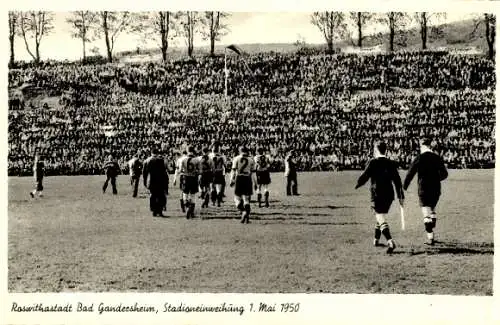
(329, 108)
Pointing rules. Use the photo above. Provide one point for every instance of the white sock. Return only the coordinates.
(430, 235)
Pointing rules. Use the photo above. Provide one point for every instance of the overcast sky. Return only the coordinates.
(256, 27)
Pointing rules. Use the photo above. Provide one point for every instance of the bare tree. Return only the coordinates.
(214, 28)
(424, 19)
(489, 21)
(163, 27)
(35, 25)
(82, 23)
(395, 21)
(360, 19)
(111, 25)
(158, 26)
(331, 24)
(13, 24)
(190, 28)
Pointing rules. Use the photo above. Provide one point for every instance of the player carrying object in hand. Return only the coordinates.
(383, 173)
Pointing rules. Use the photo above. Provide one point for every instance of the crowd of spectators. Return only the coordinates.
(329, 108)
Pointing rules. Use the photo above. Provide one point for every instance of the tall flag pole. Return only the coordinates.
(236, 50)
(226, 72)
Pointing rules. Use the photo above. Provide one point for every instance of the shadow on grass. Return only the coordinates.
(205, 217)
(450, 248)
(280, 220)
(258, 214)
(331, 207)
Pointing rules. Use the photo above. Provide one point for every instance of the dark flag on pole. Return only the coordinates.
(235, 49)
(240, 53)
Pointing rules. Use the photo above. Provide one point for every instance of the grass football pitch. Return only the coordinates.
(76, 239)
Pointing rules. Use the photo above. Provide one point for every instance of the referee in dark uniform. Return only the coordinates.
(431, 172)
(155, 177)
(383, 173)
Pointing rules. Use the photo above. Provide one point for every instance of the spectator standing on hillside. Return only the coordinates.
(155, 177)
(431, 172)
(112, 170)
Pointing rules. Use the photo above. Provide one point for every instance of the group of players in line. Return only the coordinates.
(206, 174)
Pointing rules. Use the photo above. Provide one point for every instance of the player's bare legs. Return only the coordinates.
(259, 195)
(213, 194)
(189, 205)
(266, 195)
(378, 234)
(205, 195)
(263, 188)
(183, 207)
(430, 219)
(243, 205)
(383, 229)
(238, 202)
(218, 191)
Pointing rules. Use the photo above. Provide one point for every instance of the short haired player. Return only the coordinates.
(219, 176)
(262, 164)
(189, 170)
(242, 177)
(431, 172)
(206, 167)
(383, 173)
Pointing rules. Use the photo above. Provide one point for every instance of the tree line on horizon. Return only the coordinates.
(163, 26)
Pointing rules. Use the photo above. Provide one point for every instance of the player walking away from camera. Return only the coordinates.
(189, 169)
(219, 176)
(431, 172)
(242, 177)
(180, 176)
(383, 173)
(206, 176)
(135, 168)
(291, 174)
(112, 170)
(155, 178)
(38, 173)
(262, 164)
